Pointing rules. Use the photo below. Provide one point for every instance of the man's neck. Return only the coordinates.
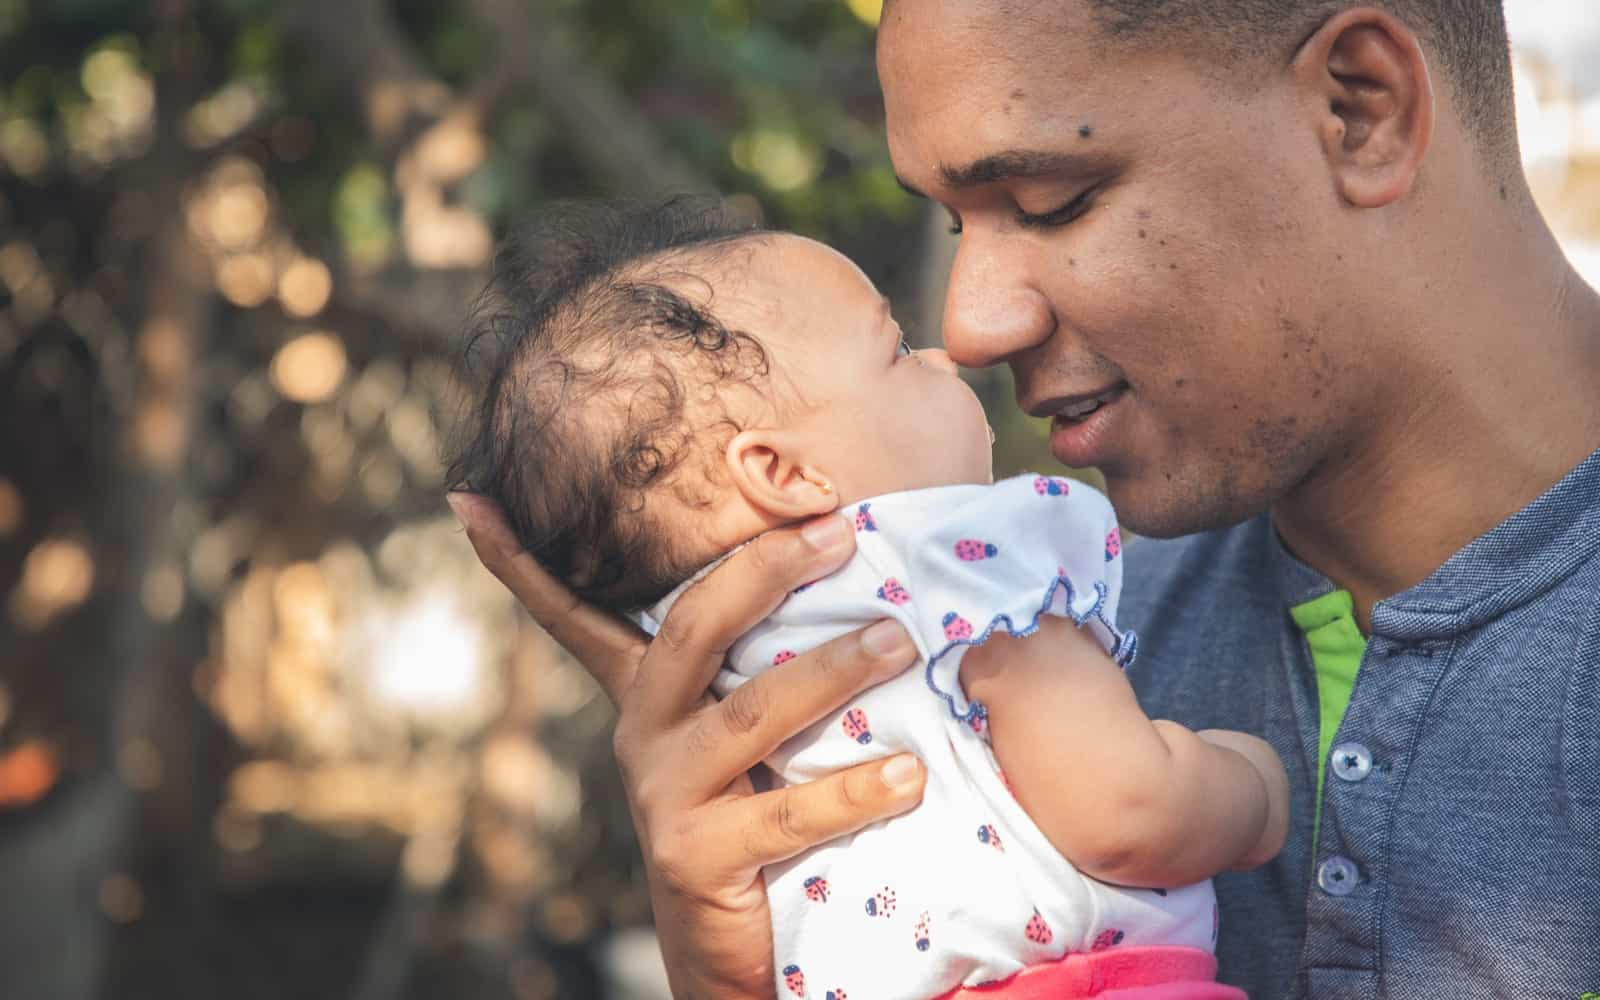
(1480, 445)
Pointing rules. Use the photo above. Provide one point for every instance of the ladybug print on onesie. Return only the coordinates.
(817, 889)
(795, 980)
(1037, 930)
(987, 834)
(972, 550)
(921, 933)
(1050, 486)
(784, 656)
(1113, 544)
(836, 995)
(856, 727)
(1105, 939)
(956, 627)
(864, 521)
(892, 592)
(881, 903)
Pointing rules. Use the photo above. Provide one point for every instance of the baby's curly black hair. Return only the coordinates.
(582, 353)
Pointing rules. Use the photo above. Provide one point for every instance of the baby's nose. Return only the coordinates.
(939, 359)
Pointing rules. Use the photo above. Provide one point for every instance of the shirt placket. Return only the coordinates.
(1366, 773)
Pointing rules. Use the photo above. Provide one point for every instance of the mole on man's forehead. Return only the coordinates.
(1085, 131)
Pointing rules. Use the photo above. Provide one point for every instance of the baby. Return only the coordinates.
(661, 388)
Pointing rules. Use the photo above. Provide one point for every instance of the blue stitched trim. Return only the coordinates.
(1124, 648)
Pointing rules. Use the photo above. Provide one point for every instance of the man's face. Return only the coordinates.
(1136, 234)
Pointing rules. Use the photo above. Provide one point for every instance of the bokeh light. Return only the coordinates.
(11, 508)
(309, 368)
(304, 287)
(57, 575)
(121, 898)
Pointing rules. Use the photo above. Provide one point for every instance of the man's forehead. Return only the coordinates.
(966, 115)
(998, 29)
(949, 52)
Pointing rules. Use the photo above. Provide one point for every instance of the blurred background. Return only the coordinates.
(266, 728)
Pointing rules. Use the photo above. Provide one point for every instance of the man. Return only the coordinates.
(1273, 267)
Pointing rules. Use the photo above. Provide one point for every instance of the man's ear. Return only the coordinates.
(1369, 77)
(766, 469)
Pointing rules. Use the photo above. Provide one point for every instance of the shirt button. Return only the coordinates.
(1337, 876)
(1351, 761)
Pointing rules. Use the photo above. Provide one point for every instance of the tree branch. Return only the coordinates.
(599, 123)
(364, 52)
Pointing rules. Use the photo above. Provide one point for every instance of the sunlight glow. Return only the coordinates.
(309, 368)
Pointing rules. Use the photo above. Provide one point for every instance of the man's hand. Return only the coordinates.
(685, 757)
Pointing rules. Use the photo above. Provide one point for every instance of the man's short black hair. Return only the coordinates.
(584, 356)
(1469, 37)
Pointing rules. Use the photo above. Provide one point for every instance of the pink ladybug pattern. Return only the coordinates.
(864, 521)
(817, 889)
(1037, 930)
(972, 550)
(1106, 939)
(881, 903)
(956, 627)
(835, 995)
(892, 592)
(987, 834)
(856, 727)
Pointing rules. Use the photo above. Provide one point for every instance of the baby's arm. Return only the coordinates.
(1125, 799)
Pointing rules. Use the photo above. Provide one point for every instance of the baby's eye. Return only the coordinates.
(905, 348)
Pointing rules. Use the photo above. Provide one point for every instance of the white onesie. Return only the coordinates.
(964, 889)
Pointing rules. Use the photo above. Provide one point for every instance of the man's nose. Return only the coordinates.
(990, 311)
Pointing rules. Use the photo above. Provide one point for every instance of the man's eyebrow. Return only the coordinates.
(1012, 164)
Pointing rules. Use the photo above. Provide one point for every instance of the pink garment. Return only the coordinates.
(1150, 973)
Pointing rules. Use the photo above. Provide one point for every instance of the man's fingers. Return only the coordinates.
(745, 727)
(781, 823)
(608, 646)
(715, 612)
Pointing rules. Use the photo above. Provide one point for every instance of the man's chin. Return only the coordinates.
(1172, 508)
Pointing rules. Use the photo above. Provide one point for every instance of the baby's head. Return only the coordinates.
(661, 385)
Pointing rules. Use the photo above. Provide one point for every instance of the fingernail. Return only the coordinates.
(825, 532)
(901, 772)
(884, 638)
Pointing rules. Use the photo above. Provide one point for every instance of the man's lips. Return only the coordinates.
(1077, 405)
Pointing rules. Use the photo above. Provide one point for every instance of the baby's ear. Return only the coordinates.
(766, 467)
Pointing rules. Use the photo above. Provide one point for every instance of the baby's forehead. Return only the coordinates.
(782, 275)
